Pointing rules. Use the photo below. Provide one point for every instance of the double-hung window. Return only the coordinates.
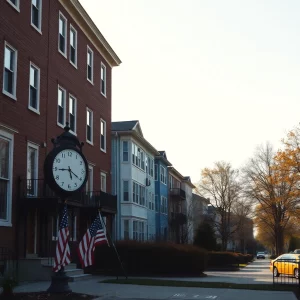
(125, 190)
(34, 88)
(163, 175)
(73, 46)
(36, 14)
(10, 71)
(6, 163)
(32, 169)
(125, 151)
(103, 135)
(103, 182)
(89, 126)
(103, 79)
(90, 64)
(61, 107)
(62, 36)
(72, 113)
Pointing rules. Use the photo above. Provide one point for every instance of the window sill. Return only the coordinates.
(73, 132)
(90, 81)
(139, 168)
(74, 65)
(90, 143)
(60, 125)
(34, 110)
(9, 95)
(104, 95)
(103, 150)
(37, 29)
(62, 53)
(15, 7)
(5, 224)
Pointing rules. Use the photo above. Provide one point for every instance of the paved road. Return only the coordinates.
(255, 272)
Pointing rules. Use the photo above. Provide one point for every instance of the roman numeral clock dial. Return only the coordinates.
(69, 170)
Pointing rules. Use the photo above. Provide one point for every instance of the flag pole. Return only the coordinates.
(113, 244)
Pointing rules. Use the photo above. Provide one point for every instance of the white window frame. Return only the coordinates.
(90, 182)
(74, 64)
(125, 141)
(103, 149)
(75, 112)
(126, 220)
(39, 28)
(36, 110)
(103, 67)
(16, 7)
(65, 106)
(36, 171)
(103, 175)
(91, 142)
(123, 191)
(66, 34)
(89, 50)
(163, 175)
(10, 137)
(15, 70)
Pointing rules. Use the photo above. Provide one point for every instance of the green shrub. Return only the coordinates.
(151, 259)
(222, 259)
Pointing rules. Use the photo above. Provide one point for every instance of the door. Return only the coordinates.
(32, 232)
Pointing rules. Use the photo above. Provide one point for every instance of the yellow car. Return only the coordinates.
(286, 264)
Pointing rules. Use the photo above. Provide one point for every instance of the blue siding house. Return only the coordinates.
(161, 195)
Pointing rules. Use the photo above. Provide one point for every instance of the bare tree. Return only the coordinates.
(221, 184)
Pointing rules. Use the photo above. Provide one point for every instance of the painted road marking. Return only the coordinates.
(185, 296)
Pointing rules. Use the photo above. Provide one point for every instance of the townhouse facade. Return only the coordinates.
(133, 181)
(161, 195)
(151, 192)
(57, 68)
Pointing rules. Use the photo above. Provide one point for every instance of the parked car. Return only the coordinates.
(297, 251)
(260, 255)
(286, 264)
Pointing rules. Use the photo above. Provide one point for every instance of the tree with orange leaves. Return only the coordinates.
(274, 188)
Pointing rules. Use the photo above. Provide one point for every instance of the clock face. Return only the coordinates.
(69, 170)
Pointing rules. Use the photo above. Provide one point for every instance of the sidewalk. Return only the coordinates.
(124, 291)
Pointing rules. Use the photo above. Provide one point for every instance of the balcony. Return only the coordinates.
(177, 193)
(177, 219)
(36, 193)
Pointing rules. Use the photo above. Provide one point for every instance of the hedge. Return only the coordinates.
(222, 259)
(147, 259)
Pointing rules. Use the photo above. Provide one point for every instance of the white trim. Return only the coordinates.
(16, 7)
(65, 106)
(7, 128)
(91, 142)
(104, 125)
(36, 171)
(90, 183)
(92, 66)
(38, 29)
(76, 46)
(60, 15)
(36, 110)
(105, 80)
(10, 138)
(14, 95)
(102, 174)
(75, 111)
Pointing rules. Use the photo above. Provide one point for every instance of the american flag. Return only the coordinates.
(95, 235)
(62, 254)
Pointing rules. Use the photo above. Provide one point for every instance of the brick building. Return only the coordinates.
(56, 68)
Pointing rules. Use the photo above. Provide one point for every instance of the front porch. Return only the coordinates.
(38, 224)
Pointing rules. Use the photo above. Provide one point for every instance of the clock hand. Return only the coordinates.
(70, 172)
(63, 169)
(74, 174)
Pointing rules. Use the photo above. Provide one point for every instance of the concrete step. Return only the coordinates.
(80, 277)
(73, 272)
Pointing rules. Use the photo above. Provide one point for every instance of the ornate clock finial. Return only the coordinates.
(67, 127)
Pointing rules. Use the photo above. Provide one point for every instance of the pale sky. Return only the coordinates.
(208, 80)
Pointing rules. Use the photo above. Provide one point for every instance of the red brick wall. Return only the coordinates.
(42, 50)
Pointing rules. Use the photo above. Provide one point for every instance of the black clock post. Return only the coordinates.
(65, 172)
